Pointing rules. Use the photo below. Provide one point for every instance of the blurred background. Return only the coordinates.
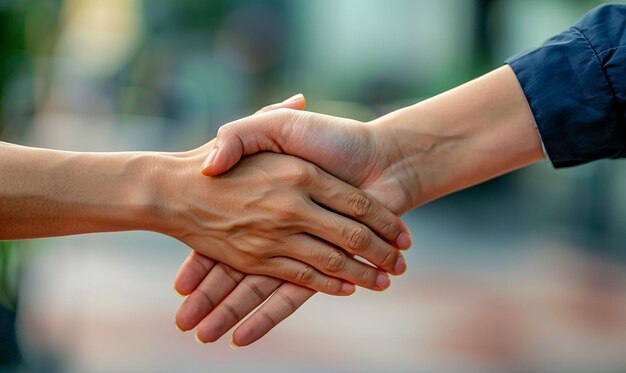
(526, 273)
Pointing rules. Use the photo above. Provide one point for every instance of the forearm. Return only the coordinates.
(462, 137)
(52, 193)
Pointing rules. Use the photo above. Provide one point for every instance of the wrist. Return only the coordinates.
(417, 144)
(139, 184)
(462, 137)
(164, 181)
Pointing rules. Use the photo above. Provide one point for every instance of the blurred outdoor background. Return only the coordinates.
(526, 273)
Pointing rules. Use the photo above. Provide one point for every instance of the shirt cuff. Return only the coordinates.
(569, 96)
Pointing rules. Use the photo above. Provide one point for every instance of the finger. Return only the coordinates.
(249, 294)
(355, 238)
(297, 102)
(231, 145)
(191, 273)
(305, 275)
(217, 284)
(285, 301)
(327, 190)
(337, 263)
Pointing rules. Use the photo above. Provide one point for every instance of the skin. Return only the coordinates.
(271, 215)
(462, 137)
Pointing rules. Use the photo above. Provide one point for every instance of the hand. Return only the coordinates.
(462, 137)
(208, 286)
(214, 307)
(219, 297)
(360, 154)
(266, 217)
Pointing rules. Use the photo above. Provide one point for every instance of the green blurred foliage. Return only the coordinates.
(8, 257)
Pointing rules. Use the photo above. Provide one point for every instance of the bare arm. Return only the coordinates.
(52, 193)
(264, 217)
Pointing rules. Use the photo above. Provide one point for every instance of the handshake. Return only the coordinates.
(272, 229)
(290, 222)
(296, 222)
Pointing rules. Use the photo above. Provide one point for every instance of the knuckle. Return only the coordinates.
(357, 238)
(288, 301)
(255, 289)
(312, 170)
(335, 262)
(289, 213)
(223, 130)
(248, 261)
(269, 318)
(389, 260)
(231, 311)
(287, 121)
(305, 275)
(390, 228)
(280, 122)
(289, 115)
(333, 286)
(266, 108)
(232, 273)
(284, 114)
(300, 175)
(368, 276)
(360, 203)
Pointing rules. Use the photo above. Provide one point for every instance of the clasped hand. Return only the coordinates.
(278, 215)
(301, 217)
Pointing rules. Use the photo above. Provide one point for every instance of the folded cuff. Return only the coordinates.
(570, 98)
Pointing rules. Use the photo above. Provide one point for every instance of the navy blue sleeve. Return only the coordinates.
(575, 84)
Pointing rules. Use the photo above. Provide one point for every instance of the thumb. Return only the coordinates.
(231, 143)
(297, 102)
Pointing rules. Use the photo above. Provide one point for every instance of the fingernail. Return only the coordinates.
(383, 281)
(400, 266)
(293, 98)
(234, 345)
(198, 339)
(348, 288)
(210, 158)
(178, 327)
(403, 241)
